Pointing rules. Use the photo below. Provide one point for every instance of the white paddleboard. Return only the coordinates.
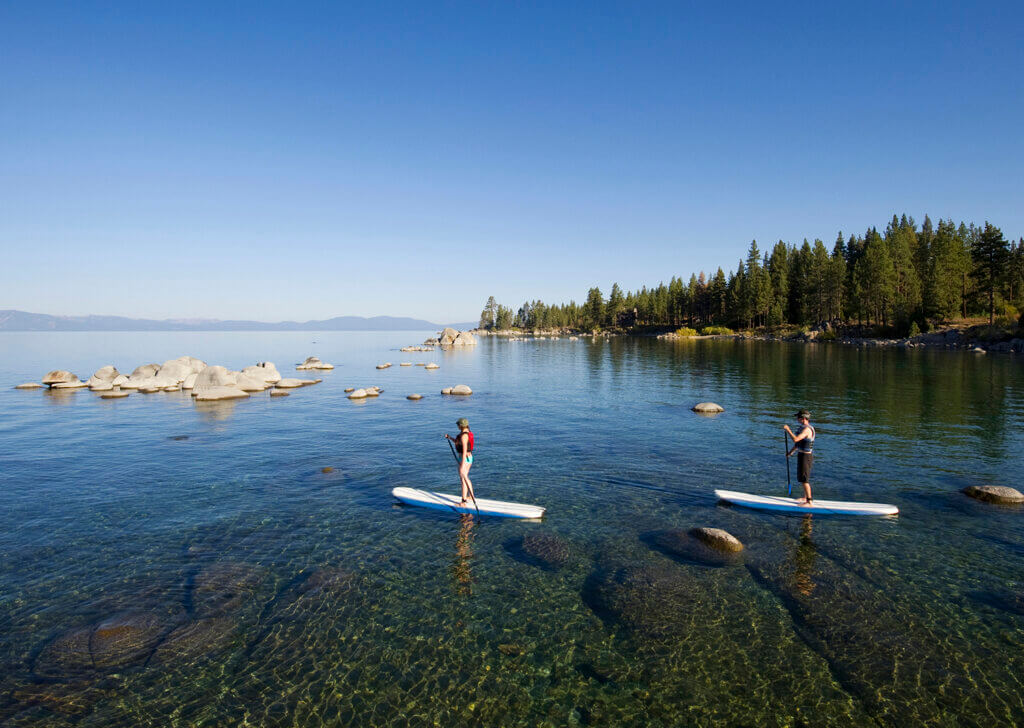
(446, 502)
(790, 505)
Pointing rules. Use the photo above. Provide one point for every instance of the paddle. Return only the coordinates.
(471, 493)
(785, 443)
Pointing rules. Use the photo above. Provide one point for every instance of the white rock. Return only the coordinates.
(461, 389)
(358, 394)
(119, 380)
(291, 383)
(215, 377)
(101, 386)
(432, 365)
(464, 339)
(215, 393)
(29, 385)
(446, 390)
(190, 381)
(103, 375)
(708, 408)
(266, 371)
(175, 370)
(250, 384)
(144, 371)
(405, 364)
(75, 383)
(279, 393)
(415, 396)
(117, 394)
(57, 376)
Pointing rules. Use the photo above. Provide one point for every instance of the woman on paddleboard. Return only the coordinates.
(803, 445)
(464, 447)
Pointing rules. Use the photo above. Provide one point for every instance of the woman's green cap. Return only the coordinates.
(803, 413)
(462, 422)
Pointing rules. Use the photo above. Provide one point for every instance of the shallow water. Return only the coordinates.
(167, 563)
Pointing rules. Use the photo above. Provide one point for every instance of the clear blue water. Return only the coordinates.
(168, 563)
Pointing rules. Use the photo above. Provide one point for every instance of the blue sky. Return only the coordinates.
(304, 160)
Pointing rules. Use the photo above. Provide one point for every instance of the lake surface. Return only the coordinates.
(168, 563)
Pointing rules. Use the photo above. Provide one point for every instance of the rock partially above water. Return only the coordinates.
(708, 408)
(292, 383)
(431, 365)
(29, 385)
(358, 394)
(717, 538)
(279, 393)
(994, 493)
(458, 389)
(415, 396)
(313, 362)
(213, 394)
(114, 395)
(57, 376)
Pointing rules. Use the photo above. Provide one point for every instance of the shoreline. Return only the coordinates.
(950, 339)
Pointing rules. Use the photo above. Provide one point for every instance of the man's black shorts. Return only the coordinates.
(804, 463)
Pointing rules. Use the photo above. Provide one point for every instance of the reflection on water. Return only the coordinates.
(223, 579)
(803, 557)
(463, 556)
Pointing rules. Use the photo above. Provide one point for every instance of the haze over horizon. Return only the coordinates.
(271, 163)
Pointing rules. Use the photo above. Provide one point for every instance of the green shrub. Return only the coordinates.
(827, 335)
(915, 330)
(686, 331)
(716, 331)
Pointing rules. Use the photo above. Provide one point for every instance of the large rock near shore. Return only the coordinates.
(214, 394)
(215, 383)
(464, 339)
(994, 494)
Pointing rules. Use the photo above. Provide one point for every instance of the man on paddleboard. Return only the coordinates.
(464, 446)
(803, 445)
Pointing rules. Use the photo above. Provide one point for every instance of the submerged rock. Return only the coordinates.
(279, 393)
(225, 587)
(717, 538)
(545, 549)
(994, 494)
(118, 394)
(126, 639)
(684, 547)
(651, 600)
(708, 408)
(67, 655)
(196, 639)
(332, 580)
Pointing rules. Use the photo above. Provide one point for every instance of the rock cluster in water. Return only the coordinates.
(451, 337)
(458, 389)
(206, 383)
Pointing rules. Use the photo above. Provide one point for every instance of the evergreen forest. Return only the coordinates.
(900, 281)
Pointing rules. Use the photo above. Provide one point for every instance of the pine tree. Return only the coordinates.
(876, 278)
(902, 240)
(778, 273)
(593, 309)
(717, 293)
(615, 305)
(990, 253)
(489, 313)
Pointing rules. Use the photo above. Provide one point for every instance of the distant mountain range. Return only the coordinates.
(11, 320)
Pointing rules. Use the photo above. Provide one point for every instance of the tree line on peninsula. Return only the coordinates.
(899, 281)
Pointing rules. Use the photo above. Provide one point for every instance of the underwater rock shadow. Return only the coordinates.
(683, 548)
(543, 549)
